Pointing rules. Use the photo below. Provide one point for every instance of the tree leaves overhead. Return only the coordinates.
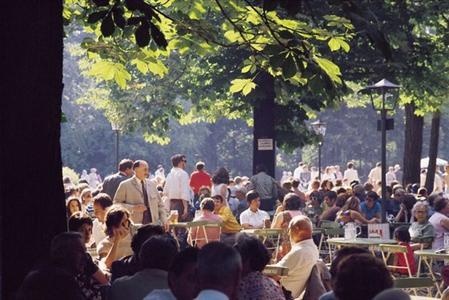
(96, 16)
(107, 26)
(142, 34)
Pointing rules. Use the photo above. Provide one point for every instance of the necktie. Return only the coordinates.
(146, 202)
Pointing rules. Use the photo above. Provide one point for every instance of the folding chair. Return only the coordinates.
(388, 250)
(271, 238)
(203, 232)
(329, 229)
(415, 283)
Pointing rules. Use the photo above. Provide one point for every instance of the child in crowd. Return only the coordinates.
(402, 236)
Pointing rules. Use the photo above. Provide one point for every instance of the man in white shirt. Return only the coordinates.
(298, 170)
(219, 271)
(177, 189)
(390, 176)
(375, 175)
(350, 174)
(301, 258)
(253, 217)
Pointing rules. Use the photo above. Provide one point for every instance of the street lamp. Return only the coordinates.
(116, 128)
(384, 96)
(320, 129)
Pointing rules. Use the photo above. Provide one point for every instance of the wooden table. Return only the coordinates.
(422, 298)
(428, 257)
(271, 234)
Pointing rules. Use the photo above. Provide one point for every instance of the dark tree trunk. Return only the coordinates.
(264, 123)
(433, 150)
(32, 194)
(412, 145)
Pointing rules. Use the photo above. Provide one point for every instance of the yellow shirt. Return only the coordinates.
(230, 224)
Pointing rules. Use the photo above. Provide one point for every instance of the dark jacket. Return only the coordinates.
(111, 183)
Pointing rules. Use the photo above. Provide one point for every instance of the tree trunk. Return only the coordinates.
(264, 133)
(412, 145)
(32, 195)
(433, 151)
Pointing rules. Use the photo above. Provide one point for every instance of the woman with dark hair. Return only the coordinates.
(291, 208)
(253, 284)
(361, 276)
(117, 243)
(405, 211)
(220, 181)
(350, 212)
(73, 205)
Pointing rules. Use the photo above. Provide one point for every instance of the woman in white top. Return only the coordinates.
(440, 222)
(220, 182)
(117, 243)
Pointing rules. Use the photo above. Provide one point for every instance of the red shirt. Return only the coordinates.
(401, 261)
(198, 179)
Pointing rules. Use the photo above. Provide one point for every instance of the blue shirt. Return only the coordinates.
(370, 212)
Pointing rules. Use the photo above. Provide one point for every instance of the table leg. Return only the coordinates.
(432, 274)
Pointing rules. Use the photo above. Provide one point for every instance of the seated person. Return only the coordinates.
(350, 212)
(129, 265)
(117, 243)
(440, 222)
(302, 256)
(102, 202)
(181, 278)
(56, 280)
(402, 236)
(254, 284)
(92, 278)
(155, 257)
(313, 207)
(334, 204)
(421, 231)
(361, 276)
(253, 217)
(196, 234)
(230, 224)
(370, 208)
(405, 212)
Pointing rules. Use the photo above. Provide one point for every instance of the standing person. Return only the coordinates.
(198, 179)
(305, 176)
(350, 174)
(302, 256)
(111, 183)
(177, 187)
(160, 172)
(266, 187)
(398, 173)
(220, 182)
(140, 196)
(390, 176)
(375, 175)
(298, 170)
(338, 174)
(93, 178)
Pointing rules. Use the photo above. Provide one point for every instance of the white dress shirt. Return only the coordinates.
(177, 184)
(299, 261)
(351, 175)
(255, 219)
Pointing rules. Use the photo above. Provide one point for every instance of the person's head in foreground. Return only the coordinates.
(254, 254)
(181, 275)
(300, 229)
(219, 268)
(158, 252)
(361, 276)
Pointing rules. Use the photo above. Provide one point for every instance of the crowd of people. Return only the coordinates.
(120, 244)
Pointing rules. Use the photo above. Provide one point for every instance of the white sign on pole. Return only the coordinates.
(265, 144)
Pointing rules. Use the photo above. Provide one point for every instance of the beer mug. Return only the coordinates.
(173, 216)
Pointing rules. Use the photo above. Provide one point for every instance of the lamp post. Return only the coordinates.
(384, 96)
(320, 129)
(116, 128)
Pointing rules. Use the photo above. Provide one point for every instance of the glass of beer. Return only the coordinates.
(173, 216)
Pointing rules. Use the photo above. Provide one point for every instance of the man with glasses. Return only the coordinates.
(177, 188)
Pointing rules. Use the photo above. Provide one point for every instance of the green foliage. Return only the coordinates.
(68, 172)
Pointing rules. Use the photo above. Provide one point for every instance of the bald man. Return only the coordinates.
(301, 258)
